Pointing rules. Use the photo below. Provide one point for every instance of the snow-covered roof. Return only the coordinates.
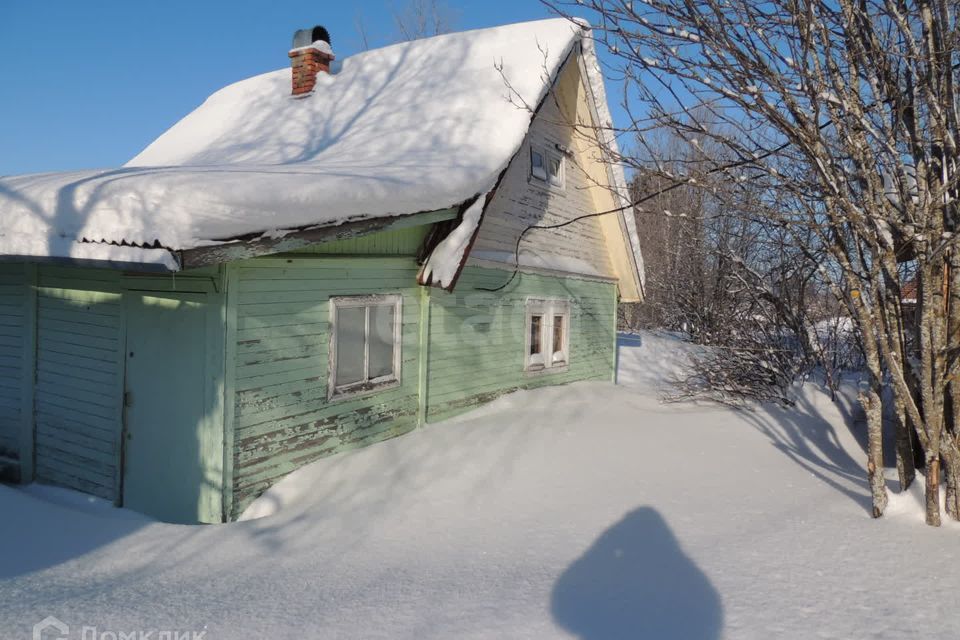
(418, 126)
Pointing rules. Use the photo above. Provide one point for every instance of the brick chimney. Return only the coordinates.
(311, 54)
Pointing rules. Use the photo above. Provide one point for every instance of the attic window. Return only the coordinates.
(364, 344)
(546, 167)
(547, 336)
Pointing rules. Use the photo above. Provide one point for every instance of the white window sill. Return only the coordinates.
(539, 370)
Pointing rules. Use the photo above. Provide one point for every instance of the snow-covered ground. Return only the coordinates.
(589, 510)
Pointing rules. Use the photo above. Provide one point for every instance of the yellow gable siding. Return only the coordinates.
(591, 159)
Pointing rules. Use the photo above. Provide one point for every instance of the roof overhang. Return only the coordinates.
(160, 260)
(118, 265)
(253, 246)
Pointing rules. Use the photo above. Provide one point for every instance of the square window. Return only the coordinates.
(364, 344)
(548, 335)
(546, 167)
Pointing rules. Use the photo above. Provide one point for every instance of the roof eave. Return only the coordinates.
(264, 244)
(118, 265)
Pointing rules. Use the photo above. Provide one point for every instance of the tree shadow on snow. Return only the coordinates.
(809, 438)
(636, 582)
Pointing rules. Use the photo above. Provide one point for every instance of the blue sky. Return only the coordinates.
(88, 84)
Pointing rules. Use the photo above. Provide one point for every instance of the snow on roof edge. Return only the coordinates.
(67, 250)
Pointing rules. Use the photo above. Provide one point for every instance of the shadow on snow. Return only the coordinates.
(636, 582)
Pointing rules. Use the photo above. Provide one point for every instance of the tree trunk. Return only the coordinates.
(948, 445)
(952, 496)
(905, 456)
(951, 463)
(872, 407)
(933, 491)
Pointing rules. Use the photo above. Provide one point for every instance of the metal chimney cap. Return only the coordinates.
(306, 37)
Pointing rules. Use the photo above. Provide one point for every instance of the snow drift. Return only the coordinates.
(589, 510)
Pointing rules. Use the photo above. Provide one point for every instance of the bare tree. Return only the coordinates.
(842, 115)
(716, 271)
(361, 26)
(412, 20)
(675, 255)
(423, 18)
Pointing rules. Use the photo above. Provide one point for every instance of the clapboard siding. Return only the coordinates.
(281, 416)
(13, 371)
(78, 379)
(521, 202)
(477, 338)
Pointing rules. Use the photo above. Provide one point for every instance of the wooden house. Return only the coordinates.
(296, 270)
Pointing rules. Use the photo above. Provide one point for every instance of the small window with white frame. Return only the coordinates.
(546, 167)
(365, 337)
(547, 335)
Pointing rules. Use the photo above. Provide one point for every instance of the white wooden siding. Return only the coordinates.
(520, 202)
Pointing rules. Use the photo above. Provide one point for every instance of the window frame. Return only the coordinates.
(547, 309)
(367, 385)
(548, 180)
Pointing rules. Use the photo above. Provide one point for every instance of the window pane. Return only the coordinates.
(557, 335)
(381, 340)
(537, 168)
(350, 327)
(536, 325)
(555, 171)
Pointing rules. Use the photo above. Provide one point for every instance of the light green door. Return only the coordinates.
(172, 446)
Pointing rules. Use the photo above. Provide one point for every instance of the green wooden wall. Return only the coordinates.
(62, 363)
(280, 312)
(14, 333)
(79, 379)
(63, 337)
(476, 349)
(278, 346)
